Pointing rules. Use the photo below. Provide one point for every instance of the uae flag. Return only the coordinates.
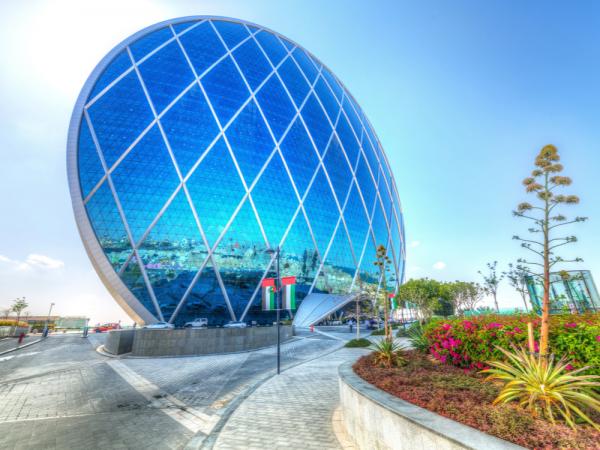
(289, 292)
(268, 294)
(393, 301)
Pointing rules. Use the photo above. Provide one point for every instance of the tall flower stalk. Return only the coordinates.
(545, 179)
(383, 261)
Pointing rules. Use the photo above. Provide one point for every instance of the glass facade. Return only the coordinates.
(573, 291)
(201, 143)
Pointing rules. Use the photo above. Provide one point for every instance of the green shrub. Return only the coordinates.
(417, 338)
(12, 323)
(545, 386)
(378, 332)
(362, 342)
(470, 342)
(388, 353)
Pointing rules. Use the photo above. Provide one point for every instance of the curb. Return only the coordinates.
(101, 349)
(20, 347)
(453, 434)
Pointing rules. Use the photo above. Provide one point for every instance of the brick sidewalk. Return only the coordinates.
(291, 411)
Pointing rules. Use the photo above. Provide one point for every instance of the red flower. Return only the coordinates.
(569, 367)
(571, 325)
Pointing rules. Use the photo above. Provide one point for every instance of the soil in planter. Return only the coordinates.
(466, 398)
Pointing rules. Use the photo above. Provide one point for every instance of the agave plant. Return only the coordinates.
(416, 336)
(545, 385)
(388, 353)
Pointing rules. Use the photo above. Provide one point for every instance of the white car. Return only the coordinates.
(197, 323)
(160, 326)
(233, 324)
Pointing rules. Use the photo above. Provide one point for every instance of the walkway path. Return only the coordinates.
(291, 411)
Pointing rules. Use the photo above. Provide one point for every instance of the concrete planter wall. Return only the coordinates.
(190, 341)
(12, 331)
(377, 420)
(119, 341)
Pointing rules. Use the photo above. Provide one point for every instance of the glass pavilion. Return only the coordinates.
(199, 143)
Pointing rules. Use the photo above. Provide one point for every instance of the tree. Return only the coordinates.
(464, 295)
(18, 306)
(383, 261)
(491, 281)
(360, 296)
(6, 311)
(517, 277)
(423, 293)
(545, 179)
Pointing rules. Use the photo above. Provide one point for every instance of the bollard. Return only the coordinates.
(312, 328)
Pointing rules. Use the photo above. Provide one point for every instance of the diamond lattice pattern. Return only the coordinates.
(207, 142)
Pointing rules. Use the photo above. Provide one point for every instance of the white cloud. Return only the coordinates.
(44, 262)
(414, 244)
(33, 261)
(440, 265)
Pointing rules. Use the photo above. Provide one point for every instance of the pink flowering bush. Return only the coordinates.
(469, 342)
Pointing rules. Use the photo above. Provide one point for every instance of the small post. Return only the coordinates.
(45, 333)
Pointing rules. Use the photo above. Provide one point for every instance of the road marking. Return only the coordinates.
(330, 335)
(190, 418)
(18, 355)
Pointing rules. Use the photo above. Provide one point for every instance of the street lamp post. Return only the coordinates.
(278, 307)
(47, 319)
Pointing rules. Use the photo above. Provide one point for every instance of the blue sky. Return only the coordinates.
(462, 95)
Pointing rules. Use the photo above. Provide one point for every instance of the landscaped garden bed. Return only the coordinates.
(471, 341)
(463, 395)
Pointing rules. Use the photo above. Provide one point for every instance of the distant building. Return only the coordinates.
(575, 293)
(39, 322)
(55, 322)
(71, 323)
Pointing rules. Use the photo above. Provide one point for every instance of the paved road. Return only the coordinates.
(10, 343)
(60, 393)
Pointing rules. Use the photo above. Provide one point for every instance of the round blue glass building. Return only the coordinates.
(201, 142)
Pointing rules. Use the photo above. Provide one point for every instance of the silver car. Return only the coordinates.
(233, 324)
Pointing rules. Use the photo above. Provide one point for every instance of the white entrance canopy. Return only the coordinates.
(316, 307)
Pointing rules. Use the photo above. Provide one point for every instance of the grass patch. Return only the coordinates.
(354, 343)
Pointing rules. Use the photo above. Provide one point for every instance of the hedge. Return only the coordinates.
(12, 323)
(470, 342)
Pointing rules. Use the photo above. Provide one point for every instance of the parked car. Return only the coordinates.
(107, 327)
(233, 324)
(201, 322)
(160, 326)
